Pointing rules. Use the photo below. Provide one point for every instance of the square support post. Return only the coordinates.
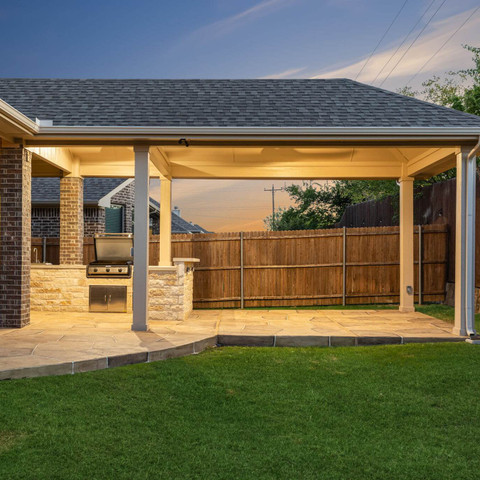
(470, 245)
(165, 257)
(465, 245)
(406, 245)
(141, 240)
(15, 236)
(71, 220)
(460, 244)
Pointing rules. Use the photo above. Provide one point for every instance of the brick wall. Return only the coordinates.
(71, 220)
(45, 221)
(93, 221)
(15, 225)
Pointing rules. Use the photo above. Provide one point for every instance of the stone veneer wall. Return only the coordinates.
(71, 220)
(15, 225)
(65, 288)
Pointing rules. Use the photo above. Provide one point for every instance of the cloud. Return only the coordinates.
(229, 24)
(285, 73)
(451, 57)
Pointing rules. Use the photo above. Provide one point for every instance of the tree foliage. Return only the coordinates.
(321, 205)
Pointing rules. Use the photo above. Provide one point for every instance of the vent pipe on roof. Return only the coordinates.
(176, 211)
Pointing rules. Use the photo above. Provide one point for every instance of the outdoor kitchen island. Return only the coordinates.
(66, 288)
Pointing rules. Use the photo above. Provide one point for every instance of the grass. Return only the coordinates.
(389, 412)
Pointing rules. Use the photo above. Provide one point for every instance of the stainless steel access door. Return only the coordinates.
(108, 298)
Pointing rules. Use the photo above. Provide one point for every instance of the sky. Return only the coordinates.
(236, 39)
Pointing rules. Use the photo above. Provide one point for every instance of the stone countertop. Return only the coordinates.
(185, 260)
(46, 266)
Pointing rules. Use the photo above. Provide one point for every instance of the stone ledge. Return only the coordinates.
(199, 345)
(46, 266)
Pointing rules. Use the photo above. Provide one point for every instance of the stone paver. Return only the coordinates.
(60, 343)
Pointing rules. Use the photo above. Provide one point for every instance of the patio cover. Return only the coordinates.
(303, 129)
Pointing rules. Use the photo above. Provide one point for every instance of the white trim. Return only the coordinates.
(106, 201)
(267, 131)
(17, 118)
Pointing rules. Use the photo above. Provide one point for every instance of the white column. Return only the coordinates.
(460, 244)
(141, 238)
(471, 174)
(165, 257)
(406, 245)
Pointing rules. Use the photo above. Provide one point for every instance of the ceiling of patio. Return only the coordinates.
(196, 162)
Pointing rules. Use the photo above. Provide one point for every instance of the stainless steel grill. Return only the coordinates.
(113, 256)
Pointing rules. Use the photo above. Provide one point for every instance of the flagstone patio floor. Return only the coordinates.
(67, 343)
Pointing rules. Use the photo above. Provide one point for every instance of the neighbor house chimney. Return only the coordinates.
(176, 211)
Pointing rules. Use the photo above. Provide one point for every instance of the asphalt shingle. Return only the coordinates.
(223, 103)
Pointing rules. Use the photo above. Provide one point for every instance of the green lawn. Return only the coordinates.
(390, 412)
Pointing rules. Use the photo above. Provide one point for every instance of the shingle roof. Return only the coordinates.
(179, 225)
(47, 190)
(223, 103)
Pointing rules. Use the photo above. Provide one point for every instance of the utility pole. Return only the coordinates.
(273, 190)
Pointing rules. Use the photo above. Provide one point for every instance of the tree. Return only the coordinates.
(321, 205)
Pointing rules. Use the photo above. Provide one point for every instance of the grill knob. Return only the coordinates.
(108, 269)
(95, 269)
(120, 270)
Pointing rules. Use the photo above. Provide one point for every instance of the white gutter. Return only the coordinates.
(475, 150)
(257, 131)
(470, 255)
(17, 119)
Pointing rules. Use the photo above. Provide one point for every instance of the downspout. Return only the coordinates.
(470, 320)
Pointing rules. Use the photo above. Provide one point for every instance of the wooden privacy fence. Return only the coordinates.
(308, 267)
(311, 267)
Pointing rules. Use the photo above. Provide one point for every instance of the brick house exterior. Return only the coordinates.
(45, 212)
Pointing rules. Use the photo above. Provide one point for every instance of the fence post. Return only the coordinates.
(344, 268)
(242, 301)
(420, 262)
(44, 250)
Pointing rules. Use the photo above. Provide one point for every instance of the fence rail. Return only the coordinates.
(311, 267)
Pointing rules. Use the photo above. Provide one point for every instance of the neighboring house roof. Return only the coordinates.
(179, 225)
(47, 190)
(223, 103)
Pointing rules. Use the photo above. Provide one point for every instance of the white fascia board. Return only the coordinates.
(262, 131)
(17, 119)
(106, 201)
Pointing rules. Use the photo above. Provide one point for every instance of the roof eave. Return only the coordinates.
(224, 136)
(17, 119)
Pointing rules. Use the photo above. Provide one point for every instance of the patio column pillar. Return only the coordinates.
(465, 245)
(165, 257)
(15, 236)
(141, 240)
(470, 245)
(406, 245)
(71, 220)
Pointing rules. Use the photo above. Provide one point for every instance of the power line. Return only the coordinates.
(448, 39)
(383, 36)
(411, 45)
(403, 42)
